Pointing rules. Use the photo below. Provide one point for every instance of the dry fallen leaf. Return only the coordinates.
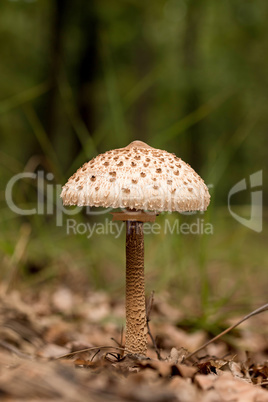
(43, 327)
(51, 351)
(205, 382)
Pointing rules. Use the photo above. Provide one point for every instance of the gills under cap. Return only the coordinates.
(137, 177)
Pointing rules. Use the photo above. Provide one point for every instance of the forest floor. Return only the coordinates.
(60, 343)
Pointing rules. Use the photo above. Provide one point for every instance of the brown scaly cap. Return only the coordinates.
(137, 177)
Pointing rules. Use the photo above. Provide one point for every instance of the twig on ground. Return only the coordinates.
(15, 350)
(17, 256)
(95, 354)
(120, 344)
(99, 348)
(117, 357)
(149, 306)
(255, 312)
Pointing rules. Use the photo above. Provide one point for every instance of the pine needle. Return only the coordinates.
(246, 317)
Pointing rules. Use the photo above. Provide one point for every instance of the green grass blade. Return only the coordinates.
(80, 129)
(197, 115)
(226, 151)
(43, 139)
(23, 97)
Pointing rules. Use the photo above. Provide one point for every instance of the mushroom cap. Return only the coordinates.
(137, 177)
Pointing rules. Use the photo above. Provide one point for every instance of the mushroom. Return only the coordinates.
(142, 181)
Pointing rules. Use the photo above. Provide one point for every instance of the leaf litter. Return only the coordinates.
(61, 345)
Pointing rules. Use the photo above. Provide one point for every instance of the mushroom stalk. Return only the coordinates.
(136, 327)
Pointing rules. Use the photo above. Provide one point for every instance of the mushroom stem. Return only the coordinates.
(136, 328)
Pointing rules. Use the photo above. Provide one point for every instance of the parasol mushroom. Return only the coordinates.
(137, 178)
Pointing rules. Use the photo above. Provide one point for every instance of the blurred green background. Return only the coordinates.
(78, 78)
